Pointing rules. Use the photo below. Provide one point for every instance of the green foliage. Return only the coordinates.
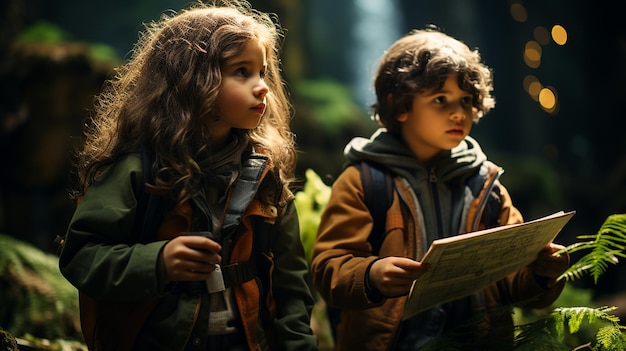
(331, 102)
(539, 335)
(563, 321)
(606, 247)
(310, 202)
(571, 296)
(103, 53)
(36, 298)
(30, 342)
(47, 33)
(326, 118)
(43, 32)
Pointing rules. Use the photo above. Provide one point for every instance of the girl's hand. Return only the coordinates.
(190, 257)
(393, 276)
(549, 264)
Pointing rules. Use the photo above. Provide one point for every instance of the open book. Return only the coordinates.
(463, 264)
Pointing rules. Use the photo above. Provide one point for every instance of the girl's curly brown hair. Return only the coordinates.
(421, 61)
(160, 97)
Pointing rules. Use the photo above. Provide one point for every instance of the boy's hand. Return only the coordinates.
(550, 265)
(393, 276)
(190, 257)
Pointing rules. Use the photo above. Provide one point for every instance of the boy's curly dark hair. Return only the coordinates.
(421, 61)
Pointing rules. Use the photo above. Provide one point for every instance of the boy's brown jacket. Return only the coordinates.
(342, 256)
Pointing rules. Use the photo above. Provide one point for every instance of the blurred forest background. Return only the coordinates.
(558, 127)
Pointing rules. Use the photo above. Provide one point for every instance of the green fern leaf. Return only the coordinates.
(576, 316)
(611, 338)
(606, 247)
(543, 334)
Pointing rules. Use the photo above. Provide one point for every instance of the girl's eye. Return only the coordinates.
(262, 74)
(440, 100)
(467, 100)
(241, 72)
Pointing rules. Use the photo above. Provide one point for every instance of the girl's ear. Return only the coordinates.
(403, 117)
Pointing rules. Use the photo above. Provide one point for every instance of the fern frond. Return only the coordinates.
(595, 264)
(550, 330)
(543, 334)
(576, 316)
(611, 338)
(580, 245)
(607, 246)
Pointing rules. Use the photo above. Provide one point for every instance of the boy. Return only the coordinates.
(430, 90)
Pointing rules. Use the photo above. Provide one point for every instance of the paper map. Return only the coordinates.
(463, 264)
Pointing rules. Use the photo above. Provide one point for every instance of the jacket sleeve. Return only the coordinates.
(98, 256)
(341, 253)
(291, 286)
(522, 286)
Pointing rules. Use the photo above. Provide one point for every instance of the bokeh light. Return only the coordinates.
(559, 34)
(532, 86)
(542, 36)
(548, 99)
(532, 54)
(518, 12)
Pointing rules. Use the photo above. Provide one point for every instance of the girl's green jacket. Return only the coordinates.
(124, 306)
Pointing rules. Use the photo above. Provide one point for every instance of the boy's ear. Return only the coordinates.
(403, 117)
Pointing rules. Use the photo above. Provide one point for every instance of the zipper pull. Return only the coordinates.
(432, 176)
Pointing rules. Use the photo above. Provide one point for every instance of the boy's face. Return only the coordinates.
(438, 120)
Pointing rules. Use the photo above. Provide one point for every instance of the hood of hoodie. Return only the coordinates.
(389, 150)
(441, 201)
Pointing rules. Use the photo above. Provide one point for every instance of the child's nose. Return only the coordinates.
(458, 114)
(261, 88)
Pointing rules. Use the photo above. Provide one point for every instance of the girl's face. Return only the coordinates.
(438, 120)
(242, 98)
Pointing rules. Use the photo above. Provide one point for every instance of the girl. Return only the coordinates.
(202, 96)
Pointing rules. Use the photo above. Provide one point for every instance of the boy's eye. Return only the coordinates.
(467, 100)
(440, 100)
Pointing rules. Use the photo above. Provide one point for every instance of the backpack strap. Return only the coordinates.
(489, 206)
(243, 192)
(378, 195)
(150, 208)
(378, 190)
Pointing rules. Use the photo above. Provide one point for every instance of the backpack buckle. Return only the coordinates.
(215, 281)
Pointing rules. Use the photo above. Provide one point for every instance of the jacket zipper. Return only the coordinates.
(433, 186)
